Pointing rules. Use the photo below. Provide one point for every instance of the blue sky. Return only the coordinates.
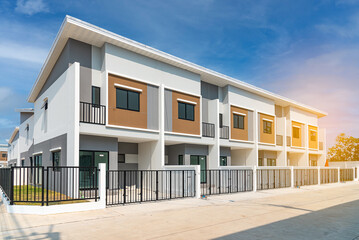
(304, 50)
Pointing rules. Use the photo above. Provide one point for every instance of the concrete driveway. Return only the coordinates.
(314, 212)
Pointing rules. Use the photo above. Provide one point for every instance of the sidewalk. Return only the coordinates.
(315, 212)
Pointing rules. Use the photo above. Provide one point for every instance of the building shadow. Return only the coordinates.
(338, 222)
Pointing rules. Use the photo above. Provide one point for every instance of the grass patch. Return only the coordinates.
(32, 193)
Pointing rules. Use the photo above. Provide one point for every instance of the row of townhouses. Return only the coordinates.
(103, 98)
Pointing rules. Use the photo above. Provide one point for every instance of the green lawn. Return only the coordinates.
(31, 193)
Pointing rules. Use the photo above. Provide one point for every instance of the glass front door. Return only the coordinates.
(223, 161)
(202, 161)
(88, 160)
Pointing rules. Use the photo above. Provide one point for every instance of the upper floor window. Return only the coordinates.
(95, 96)
(313, 135)
(267, 127)
(185, 111)
(296, 132)
(4, 155)
(127, 99)
(238, 121)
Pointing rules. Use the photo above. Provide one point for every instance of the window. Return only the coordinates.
(96, 96)
(271, 162)
(121, 158)
(260, 162)
(267, 127)
(180, 159)
(126, 99)
(223, 161)
(221, 120)
(22, 163)
(56, 158)
(296, 132)
(238, 121)
(4, 155)
(185, 111)
(313, 136)
(38, 160)
(313, 163)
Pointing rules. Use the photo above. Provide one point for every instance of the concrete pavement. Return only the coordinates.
(313, 212)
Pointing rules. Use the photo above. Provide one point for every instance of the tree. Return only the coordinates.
(345, 149)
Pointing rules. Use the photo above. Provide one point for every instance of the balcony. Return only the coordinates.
(224, 132)
(208, 130)
(92, 113)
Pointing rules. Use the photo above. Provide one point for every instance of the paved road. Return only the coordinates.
(316, 212)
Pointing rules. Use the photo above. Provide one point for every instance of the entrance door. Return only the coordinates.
(202, 161)
(88, 160)
(223, 161)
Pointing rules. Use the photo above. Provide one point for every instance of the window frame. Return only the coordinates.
(185, 111)
(99, 96)
(265, 127)
(127, 95)
(234, 122)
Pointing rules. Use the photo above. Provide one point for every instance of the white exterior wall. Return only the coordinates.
(14, 151)
(62, 114)
(301, 116)
(26, 137)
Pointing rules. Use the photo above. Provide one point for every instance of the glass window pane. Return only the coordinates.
(190, 112)
(235, 121)
(181, 110)
(121, 98)
(295, 132)
(133, 101)
(180, 159)
(241, 122)
(96, 95)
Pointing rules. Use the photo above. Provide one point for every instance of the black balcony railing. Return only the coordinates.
(208, 130)
(224, 132)
(92, 113)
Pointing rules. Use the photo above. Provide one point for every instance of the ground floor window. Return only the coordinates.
(260, 162)
(38, 160)
(22, 163)
(313, 163)
(271, 162)
(223, 161)
(56, 159)
(180, 160)
(202, 161)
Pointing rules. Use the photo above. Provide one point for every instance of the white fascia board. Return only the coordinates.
(238, 113)
(127, 87)
(268, 120)
(24, 110)
(161, 56)
(186, 101)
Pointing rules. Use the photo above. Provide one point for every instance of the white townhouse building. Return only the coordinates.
(100, 97)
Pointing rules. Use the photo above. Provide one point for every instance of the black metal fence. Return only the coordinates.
(329, 175)
(208, 130)
(92, 113)
(224, 132)
(40, 185)
(273, 178)
(148, 185)
(304, 177)
(346, 174)
(226, 181)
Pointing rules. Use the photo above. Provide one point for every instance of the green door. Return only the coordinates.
(202, 161)
(88, 160)
(223, 161)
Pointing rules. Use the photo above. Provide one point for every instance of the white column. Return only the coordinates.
(292, 177)
(162, 124)
(357, 168)
(102, 184)
(198, 181)
(338, 174)
(318, 175)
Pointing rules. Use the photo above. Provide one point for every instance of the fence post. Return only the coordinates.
(12, 186)
(198, 181)
(102, 184)
(43, 185)
(47, 185)
(338, 174)
(319, 175)
(292, 177)
(254, 179)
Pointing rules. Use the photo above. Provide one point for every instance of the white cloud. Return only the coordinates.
(22, 52)
(31, 7)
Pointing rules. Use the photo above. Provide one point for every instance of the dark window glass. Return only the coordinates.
(313, 136)
(4, 155)
(223, 161)
(185, 111)
(96, 96)
(180, 159)
(56, 159)
(313, 163)
(221, 120)
(238, 121)
(126, 99)
(267, 127)
(260, 162)
(38, 160)
(121, 158)
(271, 162)
(22, 163)
(296, 132)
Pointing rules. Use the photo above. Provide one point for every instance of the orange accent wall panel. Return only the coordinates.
(182, 125)
(297, 142)
(239, 134)
(313, 144)
(123, 117)
(266, 137)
